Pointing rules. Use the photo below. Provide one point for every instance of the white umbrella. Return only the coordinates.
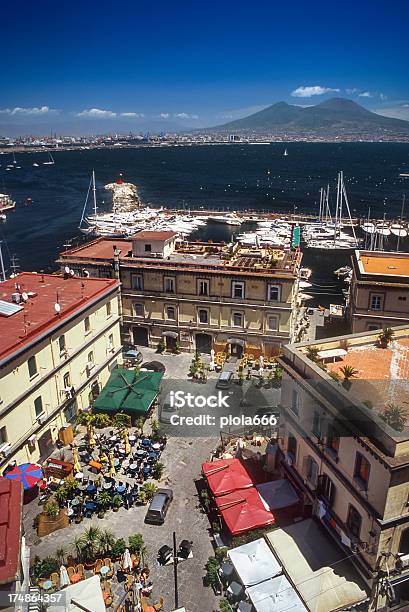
(211, 365)
(64, 578)
(126, 560)
(212, 353)
(261, 359)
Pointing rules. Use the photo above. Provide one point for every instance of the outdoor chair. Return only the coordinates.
(159, 604)
(108, 563)
(70, 571)
(98, 565)
(55, 579)
(129, 582)
(135, 560)
(80, 570)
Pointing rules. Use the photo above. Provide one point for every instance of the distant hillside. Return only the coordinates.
(333, 114)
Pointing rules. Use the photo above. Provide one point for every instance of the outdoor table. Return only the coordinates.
(132, 438)
(47, 585)
(140, 452)
(75, 578)
(145, 442)
(116, 462)
(120, 488)
(79, 476)
(113, 438)
(146, 470)
(90, 505)
(133, 467)
(107, 485)
(122, 451)
(104, 570)
(156, 446)
(227, 569)
(91, 488)
(235, 589)
(75, 502)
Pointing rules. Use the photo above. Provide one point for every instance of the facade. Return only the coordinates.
(59, 339)
(350, 467)
(197, 295)
(379, 290)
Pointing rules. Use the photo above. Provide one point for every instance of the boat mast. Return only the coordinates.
(85, 204)
(3, 271)
(336, 210)
(347, 205)
(94, 192)
(321, 199)
(401, 216)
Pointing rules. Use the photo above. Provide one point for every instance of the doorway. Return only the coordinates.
(45, 444)
(140, 336)
(236, 350)
(203, 343)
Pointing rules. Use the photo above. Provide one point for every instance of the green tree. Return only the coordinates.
(395, 416)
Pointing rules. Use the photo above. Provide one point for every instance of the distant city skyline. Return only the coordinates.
(89, 68)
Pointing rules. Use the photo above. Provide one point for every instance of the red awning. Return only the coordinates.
(11, 503)
(243, 510)
(226, 475)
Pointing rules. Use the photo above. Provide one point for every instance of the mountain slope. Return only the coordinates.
(335, 113)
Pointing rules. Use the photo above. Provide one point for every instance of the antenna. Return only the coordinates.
(2, 270)
(57, 308)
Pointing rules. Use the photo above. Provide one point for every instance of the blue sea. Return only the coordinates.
(210, 177)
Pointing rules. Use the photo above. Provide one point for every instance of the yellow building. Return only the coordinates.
(59, 339)
(196, 295)
(351, 468)
(379, 290)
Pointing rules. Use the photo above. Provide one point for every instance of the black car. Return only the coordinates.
(159, 506)
(154, 366)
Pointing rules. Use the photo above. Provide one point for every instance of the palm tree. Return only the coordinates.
(106, 541)
(386, 336)
(312, 353)
(395, 416)
(90, 542)
(348, 372)
(149, 488)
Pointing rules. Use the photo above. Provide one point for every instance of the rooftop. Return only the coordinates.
(37, 314)
(225, 257)
(11, 500)
(383, 263)
(152, 235)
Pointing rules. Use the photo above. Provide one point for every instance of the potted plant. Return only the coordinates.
(102, 420)
(241, 377)
(212, 575)
(118, 548)
(60, 555)
(149, 489)
(116, 503)
(51, 508)
(395, 416)
(90, 545)
(42, 568)
(385, 337)
(141, 499)
(157, 470)
(136, 544)
(161, 346)
(348, 372)
(155, 430)
(176, 349)
(104, 501)
(106, 541)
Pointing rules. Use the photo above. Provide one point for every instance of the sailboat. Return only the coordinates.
(35, 165)
(285, 153)
(50, 161)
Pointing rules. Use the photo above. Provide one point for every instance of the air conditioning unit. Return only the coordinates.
(404, 559)
(41, 419)
(5, 448)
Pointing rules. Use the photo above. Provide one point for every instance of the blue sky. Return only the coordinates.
(86, 67)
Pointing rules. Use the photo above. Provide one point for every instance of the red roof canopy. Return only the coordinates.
(11, 503)
(243, 510)
(226, 475)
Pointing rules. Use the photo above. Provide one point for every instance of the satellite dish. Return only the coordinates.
(24, 296)
(66, 270)
(57, 308)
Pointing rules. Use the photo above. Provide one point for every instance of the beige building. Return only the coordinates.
(379, 290)
(59, 339)
(197, 295)
(350, 467)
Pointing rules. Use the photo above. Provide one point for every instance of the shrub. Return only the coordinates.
(395, 416)
(136, 544)
(157, 470)
(85, 418)
(348, 372)
(51, 508)
(161, 346)
(104, 500)
(221, 553)
(102, 420)
(118, 548)
(212, 572)
(149, 489)
(386, 336)
(106, 541)
(225, 606)
(121, 420)
(312, 353)
(43, 568)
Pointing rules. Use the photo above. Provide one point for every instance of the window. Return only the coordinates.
(87, 325)
(310, 468)
(169, 284)
(203, 316)
(108, 309)
(373, 327)
(170, 312)
(148, 248)
(111, 342)
(295, 402)
(203, 287)
(326, 488)
(90, 357)
(316, 424)
(70, 411)
(404, 542)
(138, 309)
(38, 406)
(402, 298)
(136, 281)
(274, 293)
(3, 435)
(375, 302)
(354, 521)
(237, 319)
(362, 470)
(237, 289)
(273, 323)
(67, 381)
(61, 344)
(333, 440)
(32, 367)
(292, 446)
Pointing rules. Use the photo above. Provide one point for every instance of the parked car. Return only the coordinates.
(166, 411)
(132, 354)
(154, 366)
(159, 506)
(224, 380)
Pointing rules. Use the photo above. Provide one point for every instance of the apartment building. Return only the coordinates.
(351, 468)
(59, 339)
(197, 295)
(379, 294)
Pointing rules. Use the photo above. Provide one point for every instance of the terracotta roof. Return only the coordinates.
(38, 315)
(11, 501)
(148, 235)
(386, 264)
(102, 248)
